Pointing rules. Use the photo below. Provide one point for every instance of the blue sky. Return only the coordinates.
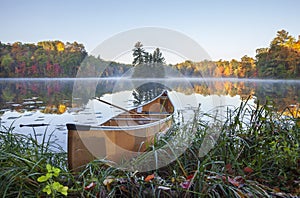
(225, 29)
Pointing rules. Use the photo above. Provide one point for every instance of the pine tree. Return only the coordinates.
(157, 56)
(138, 54)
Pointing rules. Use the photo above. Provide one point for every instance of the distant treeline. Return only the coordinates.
(57, 59)
(44, 59)
(51, 59)
(280, 60)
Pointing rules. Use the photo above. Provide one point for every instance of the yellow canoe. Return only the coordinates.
(123, 136)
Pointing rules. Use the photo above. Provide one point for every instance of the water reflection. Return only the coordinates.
(147, 92)
(31, 95)
(54, 96)
(50, 101)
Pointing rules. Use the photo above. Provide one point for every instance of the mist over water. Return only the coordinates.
(50, 101)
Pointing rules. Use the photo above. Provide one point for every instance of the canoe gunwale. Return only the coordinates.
(169, 115)
(108, 128)
(114, 128)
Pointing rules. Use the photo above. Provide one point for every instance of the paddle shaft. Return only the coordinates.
(108, 103)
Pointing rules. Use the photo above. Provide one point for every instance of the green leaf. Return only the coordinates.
(43, 178)
(64, 190)
(47, 190)
(49, 175)
(49, 167)
(56, 186)
(52, 170)
(56, 171)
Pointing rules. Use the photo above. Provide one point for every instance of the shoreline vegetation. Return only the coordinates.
(255, 155)
(55, 59)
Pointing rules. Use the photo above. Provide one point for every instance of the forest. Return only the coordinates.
(57, 59)
(280, 60)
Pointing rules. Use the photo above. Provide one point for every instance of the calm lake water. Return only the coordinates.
(56, 102)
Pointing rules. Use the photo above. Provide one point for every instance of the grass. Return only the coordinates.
(256, 154)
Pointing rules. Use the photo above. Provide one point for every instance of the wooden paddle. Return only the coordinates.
(118, 107)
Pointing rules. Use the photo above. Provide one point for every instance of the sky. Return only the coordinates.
(225, 29)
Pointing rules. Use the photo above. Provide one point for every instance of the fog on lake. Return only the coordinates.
(55, 102)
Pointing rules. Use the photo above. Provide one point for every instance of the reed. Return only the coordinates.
(254, 154)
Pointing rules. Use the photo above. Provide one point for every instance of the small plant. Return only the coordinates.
(52, 187)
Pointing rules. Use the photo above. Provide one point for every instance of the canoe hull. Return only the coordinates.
(120, 138)
(87, 144)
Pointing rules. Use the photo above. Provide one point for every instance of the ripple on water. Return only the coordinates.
(13, 117)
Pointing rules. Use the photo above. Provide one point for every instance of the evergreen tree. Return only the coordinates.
(138, 54)
(157, 56)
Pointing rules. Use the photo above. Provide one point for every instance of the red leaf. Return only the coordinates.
(239, 179)
(149, 177)
(222, 177)
(90, 186)
(187, 183)
(189, 177)
(228, 168)
(248, 170)
(233, 182)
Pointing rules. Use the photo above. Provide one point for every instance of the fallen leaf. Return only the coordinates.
(228, 168)
(186, 184)
(221, 177)
(90, 186)
(248, 170)
(189, 177)
(233, 182)
(239, 179)
(108, 181)
(149, 177)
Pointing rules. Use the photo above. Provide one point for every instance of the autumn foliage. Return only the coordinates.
(57, 59)
(44, 59)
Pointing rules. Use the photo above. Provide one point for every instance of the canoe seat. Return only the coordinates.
(138, 119)
(146, 114)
